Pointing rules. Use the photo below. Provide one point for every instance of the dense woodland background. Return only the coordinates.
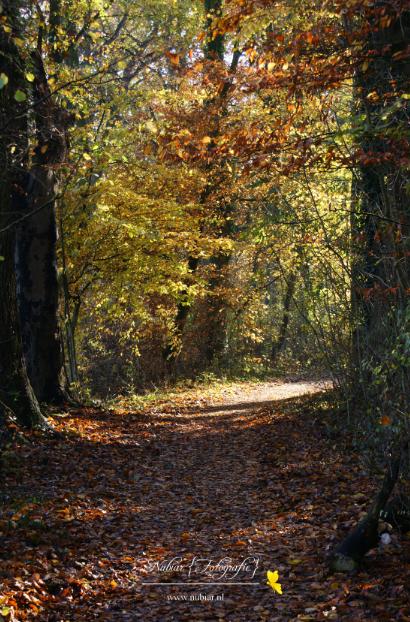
(203, 188)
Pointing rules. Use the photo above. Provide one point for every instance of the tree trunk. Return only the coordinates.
(381, 222)
(380, 234)
(214, 51)
(37, 279)
(70, 322)
(16, 394)
(215, 45)
(277, 346)
(214, 337)
(365, 536)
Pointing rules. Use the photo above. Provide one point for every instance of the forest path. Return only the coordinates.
(250, 395)
(249, 479)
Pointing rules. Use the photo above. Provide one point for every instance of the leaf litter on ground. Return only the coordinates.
(240, 471)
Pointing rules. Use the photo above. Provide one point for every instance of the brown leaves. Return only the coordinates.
(239, 482)
(173, 58)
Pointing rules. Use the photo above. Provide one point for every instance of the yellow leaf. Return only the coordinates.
(206, 140)
(150, 125)
(273, 578)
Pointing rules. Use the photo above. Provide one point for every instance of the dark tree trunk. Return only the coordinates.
(16, 394)
(36, 261)
(381, 219)
(215, 45)
(215, 303)
(277, 346)
(380, 232)
(365, 536)
(214, 336)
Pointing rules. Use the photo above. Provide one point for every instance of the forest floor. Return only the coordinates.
(228, 484)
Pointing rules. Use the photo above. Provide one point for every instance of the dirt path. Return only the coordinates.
(249, 396)
(207, 498)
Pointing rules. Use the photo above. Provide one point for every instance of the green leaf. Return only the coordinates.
(19, 96)
(5, 611)
(3, 80)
